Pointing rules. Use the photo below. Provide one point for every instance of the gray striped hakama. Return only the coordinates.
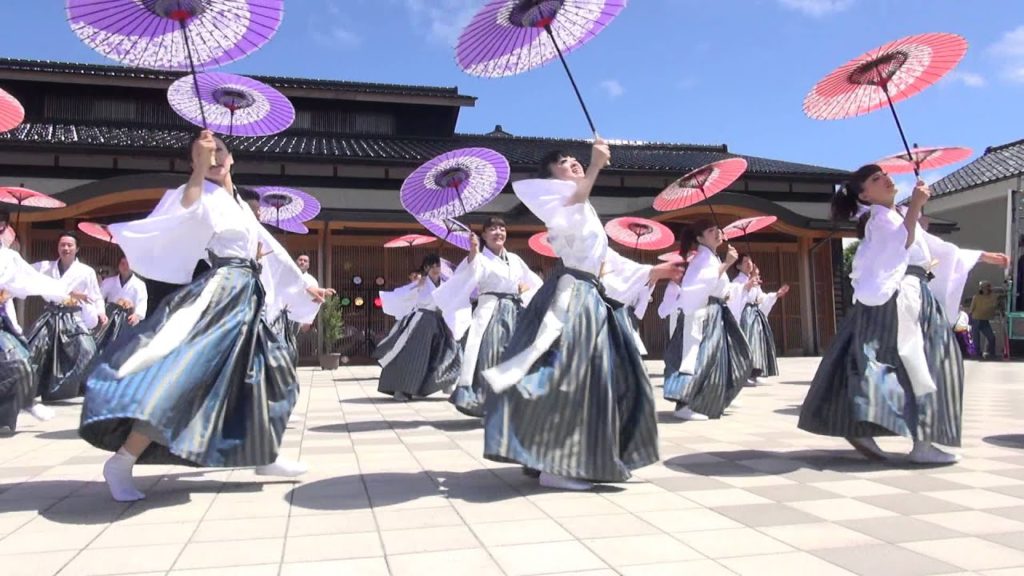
(760, 339)
(117, 322)
(17, 383)
(470, 400)
(419, 356)
(723, 364)
(219, 398)
(585, 409)
(861, 388)
(286, 332)
(61, 349)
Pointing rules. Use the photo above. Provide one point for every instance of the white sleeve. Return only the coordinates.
(954, 264)
(698, 282)
(20, 279)
(141, 297)
(881, 259)
(767, 302)
(283, 274)
(529, 278)
(669, 300)
(546, 198)
(738, 298)
(400, 302)
(627, 282)
(453, 296)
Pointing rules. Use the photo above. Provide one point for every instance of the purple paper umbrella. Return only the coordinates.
(508, 37)
(283, 207)
(454, 183)
(289, 226)
(449, 230)
(175, 34)
(233, 104)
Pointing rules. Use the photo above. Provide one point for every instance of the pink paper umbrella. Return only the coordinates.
(25, 197)
(748, 226)
(700, 184)
(539, 243)
(97, 231)
(924, 159)
(409, 240)
(883, 76)
(508, 37)
(11, 112)
(639, 233)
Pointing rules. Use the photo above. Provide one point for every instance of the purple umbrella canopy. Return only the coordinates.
(508, 37)
(289, 226)
(454, 183)
(280, 206)
(149, 33)
(232, 104)
(448, 229)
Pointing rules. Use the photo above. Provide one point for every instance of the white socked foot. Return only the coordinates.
(685, 413)
(41, 412)
(282, 467)
(928, 453)
(117, 471)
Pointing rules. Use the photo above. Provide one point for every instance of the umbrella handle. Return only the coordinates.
(572, 80)
(710, 207)
(195, 83)
(899, 126)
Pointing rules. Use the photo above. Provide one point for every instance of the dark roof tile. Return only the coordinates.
(997, 163)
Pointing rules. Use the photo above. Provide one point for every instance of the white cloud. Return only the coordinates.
(613, 88)
(970, 79)
(442, 20)
(1010, 48)
(332, 31)
(816, 8)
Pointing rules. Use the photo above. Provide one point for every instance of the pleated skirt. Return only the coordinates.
(419, 356)
(470, 400)
(861, 388)
(585, 409)
(117, 323)
(217, 394)
(286, 332)
(61, 349)
(761, 341)
(722, 369)
(17, 382)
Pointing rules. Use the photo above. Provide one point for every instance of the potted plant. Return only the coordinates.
(332, 321)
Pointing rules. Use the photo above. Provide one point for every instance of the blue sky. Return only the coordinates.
(696, 71)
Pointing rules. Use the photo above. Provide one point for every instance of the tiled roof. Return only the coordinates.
(997, 163)
(522, 153)
(105, 71)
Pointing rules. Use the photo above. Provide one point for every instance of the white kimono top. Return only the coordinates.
(764, 300)
(578, 238)
(134, 291)
(487, 274)
(166, 245)
(407, 299)
(20, 280)
(77, 278)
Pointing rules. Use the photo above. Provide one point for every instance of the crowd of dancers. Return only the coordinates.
(200, 370)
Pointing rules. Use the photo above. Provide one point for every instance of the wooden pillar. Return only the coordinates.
(322, 263)
(808, 318)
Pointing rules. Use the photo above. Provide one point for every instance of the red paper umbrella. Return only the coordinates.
(747, 226)
(885, 75)
(409, 240)
(539, 244)
(640, 233)
(98, 231)
(699, 184)
(26, 197)
(924, 159)
(11, 112)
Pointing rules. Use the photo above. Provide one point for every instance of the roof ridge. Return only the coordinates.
(1000, 147)
(79, 67)
(617, 142)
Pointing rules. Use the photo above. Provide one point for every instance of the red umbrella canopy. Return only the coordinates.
(11, 112)
(98, 231)
(26, 197)
(409, 240)
(640, 233)
(747, 226)
(699, 184)
(890, 73)
(924, 159)
(539, 244)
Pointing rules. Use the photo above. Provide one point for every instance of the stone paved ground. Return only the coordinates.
(401, 489)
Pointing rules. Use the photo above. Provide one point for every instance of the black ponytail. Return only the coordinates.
(689, 238)
(846, 203)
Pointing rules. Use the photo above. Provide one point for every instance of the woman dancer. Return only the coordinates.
(571, 398)
(60, 342)
(127, 302)
(504, 284)
(894, 368)
(707, 362)
(202, 381)
(17, 385)
(751, 308)
(419, 356)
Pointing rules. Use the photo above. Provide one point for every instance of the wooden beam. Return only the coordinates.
(807, 313)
